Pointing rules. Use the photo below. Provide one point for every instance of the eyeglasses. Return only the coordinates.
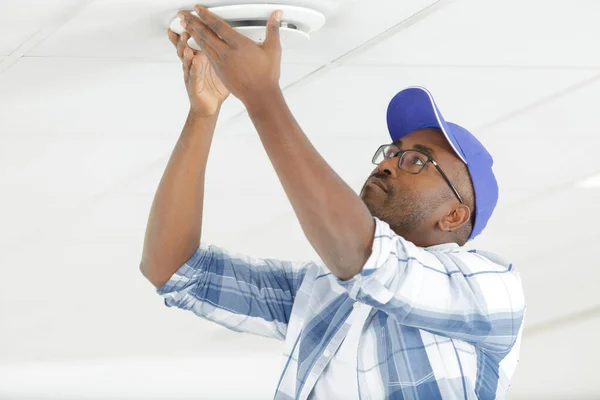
(411, 161)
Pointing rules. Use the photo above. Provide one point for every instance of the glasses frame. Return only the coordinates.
(429, 159)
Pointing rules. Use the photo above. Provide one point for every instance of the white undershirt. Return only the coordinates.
(339, 379)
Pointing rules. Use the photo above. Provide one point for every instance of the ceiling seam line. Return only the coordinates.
(541, 102)
(41, 35)
(379, 38)
(482, 66)
(576, 317)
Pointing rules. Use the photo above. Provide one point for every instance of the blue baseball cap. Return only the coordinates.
(414, 108)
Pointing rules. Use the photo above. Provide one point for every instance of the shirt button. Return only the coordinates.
(327, 353)
(356, 304)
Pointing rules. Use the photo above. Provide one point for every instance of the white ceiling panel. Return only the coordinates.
(358, 24)
(108, 28)
(267, 241)
(74, 144)
(568, 120)
(121, 97)
(74, 294)
(44, 185)
(352, 100)
(566, 356)
(549, 168)
(562, 279)
(554, 219)
(511, 33)
(86, 97)
(113, 28)
(20, 20)
(551, 145)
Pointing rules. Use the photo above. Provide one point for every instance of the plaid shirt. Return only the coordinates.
(444, 322)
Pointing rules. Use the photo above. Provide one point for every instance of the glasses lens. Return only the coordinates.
(384, 152)
(413, 161)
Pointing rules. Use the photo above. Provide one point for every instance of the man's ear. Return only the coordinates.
(454, 219)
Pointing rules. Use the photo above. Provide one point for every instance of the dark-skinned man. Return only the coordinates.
(396, 307)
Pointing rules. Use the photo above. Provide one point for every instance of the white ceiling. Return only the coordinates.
(91, 104)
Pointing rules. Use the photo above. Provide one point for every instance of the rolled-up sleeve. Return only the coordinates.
(242, 293)
(468, 295)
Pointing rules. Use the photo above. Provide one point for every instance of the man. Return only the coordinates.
(397, 308)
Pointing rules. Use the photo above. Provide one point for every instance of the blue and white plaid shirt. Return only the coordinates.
(444, 322)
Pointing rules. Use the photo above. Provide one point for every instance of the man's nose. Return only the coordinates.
(389, 166)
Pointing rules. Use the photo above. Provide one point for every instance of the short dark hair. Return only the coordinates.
(464, 185)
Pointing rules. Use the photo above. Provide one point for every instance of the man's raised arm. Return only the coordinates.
(175, 221)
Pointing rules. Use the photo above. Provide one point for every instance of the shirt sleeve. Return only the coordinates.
(467, 295)
(241, 293)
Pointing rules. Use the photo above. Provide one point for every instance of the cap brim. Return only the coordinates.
(414, 108)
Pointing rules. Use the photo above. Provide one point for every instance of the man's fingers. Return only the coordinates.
(171, 34)
(272, 40)
(173, 37)
(188, 56)
(179, 41)
(200, 32)
(208, 52)
(182, 44)
(220, 28)
(212, 48)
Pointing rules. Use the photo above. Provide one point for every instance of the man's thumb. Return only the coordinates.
(273, 41)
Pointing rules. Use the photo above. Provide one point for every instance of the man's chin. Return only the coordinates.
(370, 203)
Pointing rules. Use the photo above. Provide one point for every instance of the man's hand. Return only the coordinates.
(205, 90)
(248, 69)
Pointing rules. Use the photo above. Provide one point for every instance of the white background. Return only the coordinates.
(92, 103)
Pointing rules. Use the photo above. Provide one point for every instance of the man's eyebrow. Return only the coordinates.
(427, 150)
(421, 147)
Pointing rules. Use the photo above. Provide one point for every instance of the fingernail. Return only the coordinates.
(278, 16)
(183, 23)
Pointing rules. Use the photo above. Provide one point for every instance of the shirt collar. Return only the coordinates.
(443, 247)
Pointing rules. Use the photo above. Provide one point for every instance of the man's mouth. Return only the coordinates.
(377, 182)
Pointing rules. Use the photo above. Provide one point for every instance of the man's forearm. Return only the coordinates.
(175, 221)
(334, 219)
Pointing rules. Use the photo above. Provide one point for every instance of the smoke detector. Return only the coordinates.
(297, 22)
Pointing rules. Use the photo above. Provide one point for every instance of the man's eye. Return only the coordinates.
(415, 159)
(389, 153)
